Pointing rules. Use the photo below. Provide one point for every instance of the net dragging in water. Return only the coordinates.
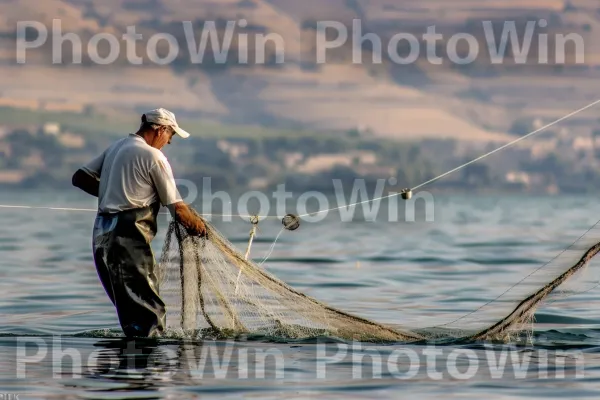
(212, 290)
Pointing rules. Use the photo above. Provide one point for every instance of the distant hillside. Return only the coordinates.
(403, 102)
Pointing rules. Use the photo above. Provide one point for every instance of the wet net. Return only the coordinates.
(212, 290)
(513, 311)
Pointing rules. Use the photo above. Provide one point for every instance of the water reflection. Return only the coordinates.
(148, 363)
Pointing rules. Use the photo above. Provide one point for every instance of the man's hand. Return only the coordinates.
(86, 182)
(186, 217)
(197, 229)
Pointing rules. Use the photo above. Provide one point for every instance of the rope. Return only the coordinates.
(465, 164)
(508, 144)
(96, 210)
(522, 280)
(50, 208)
(252, 234)
(254, 220)
(361, 202)
(272, 247)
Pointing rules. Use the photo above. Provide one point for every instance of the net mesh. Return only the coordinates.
(212, 290)
(512, 312)
(550, 281)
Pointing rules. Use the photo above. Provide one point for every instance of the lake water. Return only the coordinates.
(414, 274)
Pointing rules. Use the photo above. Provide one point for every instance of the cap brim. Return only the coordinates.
(181, 132)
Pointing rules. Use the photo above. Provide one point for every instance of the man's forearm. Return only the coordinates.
(85, 182)
(186, 217)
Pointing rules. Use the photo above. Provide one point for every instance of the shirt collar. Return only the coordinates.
(133, 135)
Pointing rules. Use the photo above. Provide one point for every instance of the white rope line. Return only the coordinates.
(361, 202)
(270, 252)
(50, 208)
(252, 235)
(96, 210)
(464, 165)
(510, 144)
(522, 279)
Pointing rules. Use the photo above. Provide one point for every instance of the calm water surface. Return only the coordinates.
(413, 274)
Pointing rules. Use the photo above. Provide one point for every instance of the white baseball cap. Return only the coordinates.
(160, 116)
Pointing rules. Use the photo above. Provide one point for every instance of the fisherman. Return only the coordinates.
(131, 179)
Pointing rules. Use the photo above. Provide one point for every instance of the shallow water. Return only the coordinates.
(416, 274)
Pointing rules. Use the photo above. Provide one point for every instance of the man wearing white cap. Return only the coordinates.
(131, 179)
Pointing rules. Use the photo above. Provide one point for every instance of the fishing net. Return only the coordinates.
(211, 289)
(563, 276)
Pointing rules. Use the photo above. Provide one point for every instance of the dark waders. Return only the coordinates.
(126, 267)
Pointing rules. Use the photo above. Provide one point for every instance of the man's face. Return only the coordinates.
(162, 137)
